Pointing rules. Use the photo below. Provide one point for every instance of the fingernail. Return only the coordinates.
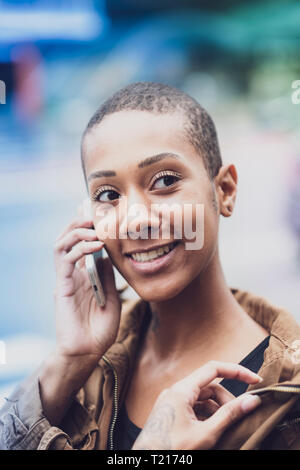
(250, 402)
(260, 379)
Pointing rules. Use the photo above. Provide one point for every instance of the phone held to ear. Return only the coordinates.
(93, 272)
(93, 263)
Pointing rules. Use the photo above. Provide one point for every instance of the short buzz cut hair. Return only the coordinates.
(158, 98)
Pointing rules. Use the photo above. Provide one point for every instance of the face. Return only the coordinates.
(124, 180)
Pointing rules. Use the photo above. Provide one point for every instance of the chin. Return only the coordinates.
(159, 294)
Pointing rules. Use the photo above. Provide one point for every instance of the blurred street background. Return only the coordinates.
(60, 59)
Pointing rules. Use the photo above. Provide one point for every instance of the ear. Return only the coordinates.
(226, 189)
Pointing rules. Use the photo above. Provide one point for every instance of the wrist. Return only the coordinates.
(65, 359)
(60, 378)
(64, 372)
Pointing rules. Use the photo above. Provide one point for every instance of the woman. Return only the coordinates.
(151, 145)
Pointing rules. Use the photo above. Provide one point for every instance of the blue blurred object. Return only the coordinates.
(51, 20)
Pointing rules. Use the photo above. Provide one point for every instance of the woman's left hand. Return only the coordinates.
(194, 412)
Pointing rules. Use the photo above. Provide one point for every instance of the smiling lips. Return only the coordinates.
(153, 254)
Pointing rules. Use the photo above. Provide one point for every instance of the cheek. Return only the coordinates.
(196, 222)
(106, 231)
(183, 221)
(211, 225)
(200, 248)
(208, 230)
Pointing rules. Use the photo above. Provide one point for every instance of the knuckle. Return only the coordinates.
(56, 246)
(173, 389)
(67, 257)
(178, 390)
(213, 364)
(75, 236)
(231, 411)
(84, 245)
(79, 231)
(73, 223)
(164, 393)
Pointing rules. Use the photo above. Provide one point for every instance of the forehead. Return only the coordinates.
(125, 137)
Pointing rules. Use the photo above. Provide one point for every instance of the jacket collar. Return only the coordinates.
(284, 331)
(281, 358)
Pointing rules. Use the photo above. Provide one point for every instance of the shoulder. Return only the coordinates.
(282, 356)
(275, 319)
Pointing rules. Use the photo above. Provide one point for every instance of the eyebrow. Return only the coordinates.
(147, 162)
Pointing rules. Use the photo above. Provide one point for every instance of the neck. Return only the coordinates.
(202, 318)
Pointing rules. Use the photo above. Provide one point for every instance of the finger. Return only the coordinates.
(230, 413)
(79, 250)
(205, 409)
(211, 370)
(65, 244)
(217, 393)
(70, 239)
(200, 412)
(81, 221)
(81, 262)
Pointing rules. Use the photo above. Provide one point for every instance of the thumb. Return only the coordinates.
(231, 412)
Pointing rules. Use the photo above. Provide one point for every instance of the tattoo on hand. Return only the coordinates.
(158, 429)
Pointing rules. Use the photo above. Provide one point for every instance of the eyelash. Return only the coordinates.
(159, 176)
(100, 191)
(164, 173)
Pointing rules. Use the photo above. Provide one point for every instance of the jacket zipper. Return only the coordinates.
(288, 423)
(115, 413)
(276, 388)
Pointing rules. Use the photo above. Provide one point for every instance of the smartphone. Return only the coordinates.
(91, 262)
(94, 275)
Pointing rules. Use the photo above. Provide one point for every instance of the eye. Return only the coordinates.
(165, 179)
(105, 195)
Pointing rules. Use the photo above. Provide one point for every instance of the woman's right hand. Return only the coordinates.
(194, 412)
(83, 328)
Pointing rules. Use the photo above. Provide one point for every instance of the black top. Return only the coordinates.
(126, 432)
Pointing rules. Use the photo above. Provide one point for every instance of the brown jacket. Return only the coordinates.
(89, 422)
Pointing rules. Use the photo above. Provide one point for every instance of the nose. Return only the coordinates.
(139, 218)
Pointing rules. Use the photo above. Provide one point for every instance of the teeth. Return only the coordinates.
(147, 256)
